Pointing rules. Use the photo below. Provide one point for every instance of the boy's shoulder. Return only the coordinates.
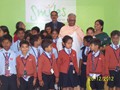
(108, 47)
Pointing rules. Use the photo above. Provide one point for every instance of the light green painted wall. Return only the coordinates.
(88, 11)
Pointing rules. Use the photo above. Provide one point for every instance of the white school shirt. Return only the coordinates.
(34, 52)
(12, 61)
(54, 51)
(16, 47)
(81, 51)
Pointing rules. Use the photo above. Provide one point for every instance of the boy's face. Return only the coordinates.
(20, 35)
(28, 39)
(115, 39)
(94, 47)
(34, 32)
(24, 48)
(85, 42)
(54, 35)
(49, 48)
(39, 41)
(48, 29)
(1, 33)
(6, 44)
(68, 44)
(90, 32)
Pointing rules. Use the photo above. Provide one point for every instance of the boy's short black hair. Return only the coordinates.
(36, 29)
(88, 38)
(115, 32)
(34, 38)
(96, 41)
(20, 29)
(55, 30)
(46, 43)
(66, 38)
(27, 35)
(24, 42)
(5, 29)
(91, 28)
(7, 37)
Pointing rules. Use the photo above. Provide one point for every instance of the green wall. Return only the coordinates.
(88, 11)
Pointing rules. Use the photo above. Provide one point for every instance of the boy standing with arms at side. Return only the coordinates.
(112, 57)
(26, 68)
(7, 65)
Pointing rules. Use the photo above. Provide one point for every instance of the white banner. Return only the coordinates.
(38, 11)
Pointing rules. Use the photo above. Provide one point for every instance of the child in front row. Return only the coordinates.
(112, 57)
(67, 65)
(96, 69)
(26, 68)
(85, 50)
(8, 79)
(47, 67)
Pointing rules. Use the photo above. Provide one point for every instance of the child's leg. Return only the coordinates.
(70, 88)
(111, 88)
(13, 82)
(64, 88)
(117, 88)
(30, 83)
(23, 84)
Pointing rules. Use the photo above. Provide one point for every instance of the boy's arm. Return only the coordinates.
(59, 60)
(35, 67)
(40, 65)
(88, 65)
(80, 65)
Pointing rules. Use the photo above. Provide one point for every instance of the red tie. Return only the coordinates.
(7, 70)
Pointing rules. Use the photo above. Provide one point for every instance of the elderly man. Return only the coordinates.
(74, 31)
(54, 24)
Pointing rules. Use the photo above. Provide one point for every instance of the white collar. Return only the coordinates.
(4, 51)
(114, 46)
(25, 56)
(96, 54)
(48, 54)
(66, 50)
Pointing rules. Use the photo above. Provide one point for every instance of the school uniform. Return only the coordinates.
(36, 52)
(8, 70)
(47, 70)
(54, 43)
(16, 47)
(84, 53)
(68, 68)
(26, 71)
(112, 57)
(55, 52)
(96, 69)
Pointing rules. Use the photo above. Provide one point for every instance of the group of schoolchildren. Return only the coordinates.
(33, 61)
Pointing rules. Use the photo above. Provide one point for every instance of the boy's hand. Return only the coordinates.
(18, 83)
(0, 83)
(56, 80)
(41, 83)
(34, 82)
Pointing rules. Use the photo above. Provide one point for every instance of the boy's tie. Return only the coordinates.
(7, 69)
